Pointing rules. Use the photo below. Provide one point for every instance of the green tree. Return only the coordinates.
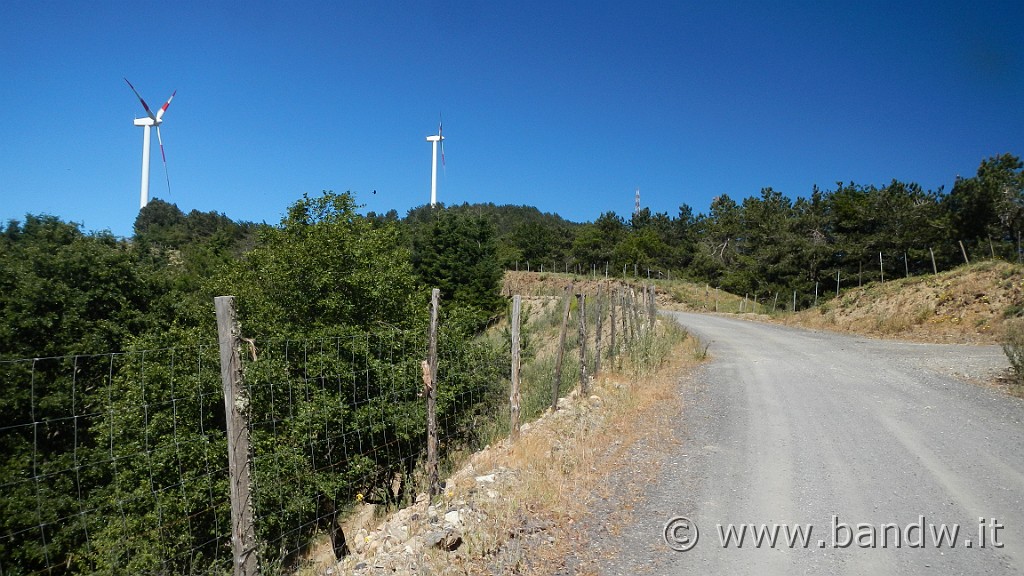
(457, 254)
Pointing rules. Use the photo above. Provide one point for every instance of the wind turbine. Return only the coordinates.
(434, 139)
(148, 122)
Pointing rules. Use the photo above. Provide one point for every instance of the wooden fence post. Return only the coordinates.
(556, 382)
(514, 399)
(597, 333)
(430, 375)
(964, 250)
(935, 269)
(653, 305)
(611, 305)
(236, 406)
(581, 302)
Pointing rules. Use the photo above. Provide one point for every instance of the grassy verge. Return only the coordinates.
(559, 464)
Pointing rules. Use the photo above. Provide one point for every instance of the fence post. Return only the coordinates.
(433, 488)
(556, 382)
(935, 269)
(653, 305)
(517, 302)
(964, 250)
(838, 272)
(597, 333)
(881, 267)
(236, 405)
(581, 302)
(611, 305)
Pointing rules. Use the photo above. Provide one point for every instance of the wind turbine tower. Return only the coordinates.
(148, 122)
(434, 139)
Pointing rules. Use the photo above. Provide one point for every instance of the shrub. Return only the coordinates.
(1013, 346)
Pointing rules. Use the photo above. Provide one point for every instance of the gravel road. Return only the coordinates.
(855, 437)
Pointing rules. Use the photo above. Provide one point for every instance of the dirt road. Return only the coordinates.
(855, 451)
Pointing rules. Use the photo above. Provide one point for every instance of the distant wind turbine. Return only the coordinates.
(434, 139)
(149, 121)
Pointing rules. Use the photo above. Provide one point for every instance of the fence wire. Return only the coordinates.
(117, 463)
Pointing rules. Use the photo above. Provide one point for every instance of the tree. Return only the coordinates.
(457, 254)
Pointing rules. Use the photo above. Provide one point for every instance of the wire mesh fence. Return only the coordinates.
(119, 463)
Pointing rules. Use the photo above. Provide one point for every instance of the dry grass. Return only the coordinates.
(560, 464)
(969, 304)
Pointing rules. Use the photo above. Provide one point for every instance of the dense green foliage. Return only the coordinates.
(338, 320)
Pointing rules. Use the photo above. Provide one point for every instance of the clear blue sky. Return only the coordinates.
(564, 106)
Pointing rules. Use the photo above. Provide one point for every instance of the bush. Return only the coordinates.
(1013, 346)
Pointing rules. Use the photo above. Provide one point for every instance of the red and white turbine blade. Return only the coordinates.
(144, 105)
(163, 108)
(167, 176)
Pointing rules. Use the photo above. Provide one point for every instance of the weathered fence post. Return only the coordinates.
(611, 344)
(653, 305)
(430, 377)
(881, 267)
(838, 272)
(964, 250)
(236, 407)
(517, 302)
(581, 302)
(597, 333)
(556, 382)
(935, 269)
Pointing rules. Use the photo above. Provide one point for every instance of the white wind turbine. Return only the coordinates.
(434, 139)
(149, 121)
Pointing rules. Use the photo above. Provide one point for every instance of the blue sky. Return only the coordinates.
(564, 106)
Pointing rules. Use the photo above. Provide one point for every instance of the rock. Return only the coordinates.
(443, 539)
(595, 401)
(486, 478)
(453, 518)
(524, 428)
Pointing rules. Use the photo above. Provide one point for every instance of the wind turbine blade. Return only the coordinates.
(163, 108)
(144, 105)
(441, 138)
(167, 175)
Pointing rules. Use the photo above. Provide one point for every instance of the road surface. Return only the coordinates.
(862, 449)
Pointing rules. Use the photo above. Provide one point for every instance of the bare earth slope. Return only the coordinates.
(967, 304)
(797, 427)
